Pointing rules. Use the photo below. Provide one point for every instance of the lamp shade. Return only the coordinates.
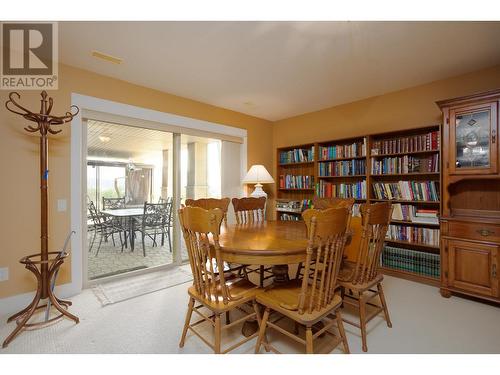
(258, 174)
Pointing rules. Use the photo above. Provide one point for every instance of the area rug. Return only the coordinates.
(135, 286)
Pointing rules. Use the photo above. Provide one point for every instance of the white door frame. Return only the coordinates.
(89, 106)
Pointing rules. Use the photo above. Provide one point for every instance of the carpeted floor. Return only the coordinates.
(423, 322)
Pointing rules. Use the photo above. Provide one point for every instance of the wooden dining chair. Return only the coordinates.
(210, 203)
(308, 302)
(210, 289)
(324, 204)
(359, 279)
(333, 202)
(251, 210)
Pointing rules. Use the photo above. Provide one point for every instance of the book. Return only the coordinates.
(415, 261)
(421, 142)
(356, 149)
(407, 190)
(297, 155)
(342, 168)
(405, 164)
(355, 190)
(296, 182)
(410, 234)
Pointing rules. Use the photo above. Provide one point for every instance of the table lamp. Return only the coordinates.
(258, 175)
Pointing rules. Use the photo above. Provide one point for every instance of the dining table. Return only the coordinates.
(274, 243)
(128, 214)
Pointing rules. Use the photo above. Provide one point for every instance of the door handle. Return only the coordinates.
(485, 232)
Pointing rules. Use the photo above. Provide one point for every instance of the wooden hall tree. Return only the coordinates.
(44, 265)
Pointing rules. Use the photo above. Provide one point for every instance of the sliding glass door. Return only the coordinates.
(129, 199)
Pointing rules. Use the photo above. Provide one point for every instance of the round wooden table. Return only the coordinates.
(276, 243)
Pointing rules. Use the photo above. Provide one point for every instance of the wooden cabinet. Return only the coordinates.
(470, 211)
(472, 267)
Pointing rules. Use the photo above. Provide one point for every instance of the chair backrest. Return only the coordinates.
(113, 203)
(155, 215)
(327, 237)
(96, 219)
(248, 210)
(210, 204)
(375, 221)
(333, 202)
(198, 226)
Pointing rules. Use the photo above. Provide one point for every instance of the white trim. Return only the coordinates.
(78, 155)
(108, 107)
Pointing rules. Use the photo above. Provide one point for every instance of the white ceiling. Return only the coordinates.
(275, 70)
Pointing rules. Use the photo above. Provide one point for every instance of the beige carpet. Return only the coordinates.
(423, 322)
(125, 289)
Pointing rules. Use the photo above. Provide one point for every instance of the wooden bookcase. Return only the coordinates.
(349, 171)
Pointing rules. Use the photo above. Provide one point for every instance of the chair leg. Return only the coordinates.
(262, 330)
(93, 240)
(362, 321)
(218, 333)
(186, 323)
(228, 318)
(384, 305)
(169, 240)
(261, 281)
(99, 247)
(259, 321)
(340, 327)
(309, 340)
(143, 244)
(113, 238)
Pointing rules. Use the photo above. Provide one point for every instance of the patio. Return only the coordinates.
(112, 261)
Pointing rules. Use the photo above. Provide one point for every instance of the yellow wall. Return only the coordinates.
(19, 192)
(19, 223)
(409, 108)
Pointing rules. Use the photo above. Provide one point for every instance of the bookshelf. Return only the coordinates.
(403, 167)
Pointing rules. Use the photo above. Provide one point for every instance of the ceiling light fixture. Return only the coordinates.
(104, 138)
(107, 58)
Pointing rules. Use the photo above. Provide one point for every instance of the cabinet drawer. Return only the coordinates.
(474, 231)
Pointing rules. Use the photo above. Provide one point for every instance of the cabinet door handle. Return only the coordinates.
(485, 232)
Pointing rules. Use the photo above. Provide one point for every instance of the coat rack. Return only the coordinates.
(44, 265)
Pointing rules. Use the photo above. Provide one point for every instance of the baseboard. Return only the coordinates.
(10, 305)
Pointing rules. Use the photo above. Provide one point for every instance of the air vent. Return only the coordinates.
(108, 58)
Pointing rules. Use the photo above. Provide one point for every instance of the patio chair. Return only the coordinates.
(105, 228)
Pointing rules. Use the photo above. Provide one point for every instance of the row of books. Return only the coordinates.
(298, 155)
(343, 190)
(425, 236)
(343, 168)
(353, 150)
(296, 182)
(407, 190)
(421, 142)
(290, 217)
(408, 212)
(419, 262)
(405, 164)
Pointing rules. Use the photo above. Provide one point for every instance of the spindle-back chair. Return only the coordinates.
(360, 278)
(312, 300)
(210, 289)
(247, 211)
